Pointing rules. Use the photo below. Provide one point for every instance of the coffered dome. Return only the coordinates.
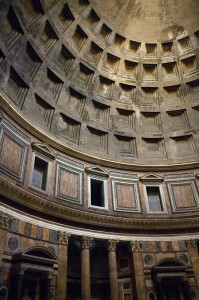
(116, 80)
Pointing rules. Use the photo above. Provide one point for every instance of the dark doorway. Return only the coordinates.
(172, 289)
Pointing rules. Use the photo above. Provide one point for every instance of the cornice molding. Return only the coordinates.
(50, 208)
(46, 137)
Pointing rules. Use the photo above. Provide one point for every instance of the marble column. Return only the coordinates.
(192, 246)
(4, 224)
(159, 288)
(137, 269)
(85, 267)
(16, 284)
(63, 238)
(113, 277)
(185, 288)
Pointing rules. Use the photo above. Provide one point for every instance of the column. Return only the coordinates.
(46, 286)
(159, 288)
(4, 224)
(19, 279)
(185, 288)
(113, 277)
(63, 238)
(137, 268)
(85, 267)
(16, 282)
(194, 255)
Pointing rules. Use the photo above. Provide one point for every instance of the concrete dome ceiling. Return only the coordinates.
(147, 20)
(114, 80)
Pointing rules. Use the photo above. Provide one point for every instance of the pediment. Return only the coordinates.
(44, 149)
(97, 171)
(152, 178)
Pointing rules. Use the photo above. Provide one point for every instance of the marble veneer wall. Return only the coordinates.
(68, 180)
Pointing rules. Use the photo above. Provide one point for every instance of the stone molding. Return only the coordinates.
(63, 237)
(5, 220)
(112, 244)
(86, 242)
(135, 246)
(35, 202)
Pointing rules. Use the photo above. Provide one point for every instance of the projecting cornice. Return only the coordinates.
(64, 213)
(48, 138)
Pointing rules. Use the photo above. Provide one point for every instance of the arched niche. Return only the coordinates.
(33, 274)
(170, 276)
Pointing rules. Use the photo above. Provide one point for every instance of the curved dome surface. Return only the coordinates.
(148, 21)
(117, 97)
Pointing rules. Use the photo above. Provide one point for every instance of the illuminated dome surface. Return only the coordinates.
(117, 80)
(148, 21)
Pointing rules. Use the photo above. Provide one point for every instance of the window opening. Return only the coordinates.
(154, 199)
(97, 193)
(39, 176)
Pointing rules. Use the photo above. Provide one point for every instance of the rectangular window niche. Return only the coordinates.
(69, 182)
(125, 195)
(154, 196)
(40, 174)
(97, 192)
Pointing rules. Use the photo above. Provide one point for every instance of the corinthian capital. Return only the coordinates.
(5, 220)
(86, 242)
(112, 244)
(63, 237)
(135, 246)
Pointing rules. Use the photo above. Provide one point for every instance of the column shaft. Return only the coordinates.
(194, 255)
(137, 268)
(112, 262)
(113, 277)
(160, 290)
(19, 279)
(85, 268)
(186, 290)
(85, 274)
(63, 238)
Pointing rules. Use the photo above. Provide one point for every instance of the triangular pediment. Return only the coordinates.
(152, 177)
(97, 170)
(44, 149)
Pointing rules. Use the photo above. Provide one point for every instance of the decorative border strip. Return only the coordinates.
(23, 197)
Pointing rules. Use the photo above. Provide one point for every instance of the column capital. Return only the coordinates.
(183, 279)
(19, 270)
(49, 275)
(135, 246)
(86, 242)
(63, 237)
(191, 244)
(5, 220)
(112, 244)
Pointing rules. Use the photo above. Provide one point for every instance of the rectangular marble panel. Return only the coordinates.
(11, 162)
(183, 194)
(125, 194)
(68, 182)
(13, 150)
